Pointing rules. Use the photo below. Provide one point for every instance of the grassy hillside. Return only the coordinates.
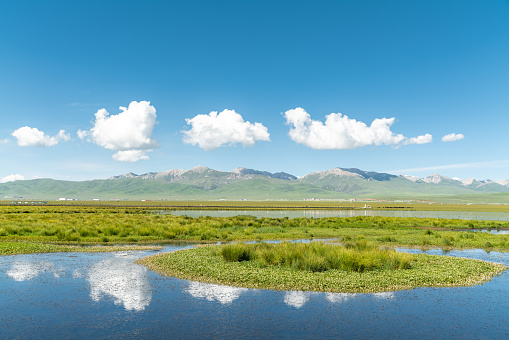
(215, 185)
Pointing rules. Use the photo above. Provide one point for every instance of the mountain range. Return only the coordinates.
(204, 183)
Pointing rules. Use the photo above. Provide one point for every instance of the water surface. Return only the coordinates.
(466, 215)
(104, 295)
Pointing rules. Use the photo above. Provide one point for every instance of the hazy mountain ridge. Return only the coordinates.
(205, 183)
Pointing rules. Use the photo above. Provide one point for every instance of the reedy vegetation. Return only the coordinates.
(206, 264)
(74, 224)
(318, 257)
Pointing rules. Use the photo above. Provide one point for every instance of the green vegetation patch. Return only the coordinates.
(15, 248)
(206, 264)
(357, 256)
(109, 225)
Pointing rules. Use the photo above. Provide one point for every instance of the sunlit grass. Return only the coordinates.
(357, 256)
(14, 248)
(206, 264)
(77, 225)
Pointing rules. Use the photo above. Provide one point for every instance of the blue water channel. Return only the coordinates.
(106, 295)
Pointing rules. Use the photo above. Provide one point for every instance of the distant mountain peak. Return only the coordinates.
(126, 175)
(436, 178)
(414, 179)
(469, 181)
(370, 175)
(199, 168)
(277, 175)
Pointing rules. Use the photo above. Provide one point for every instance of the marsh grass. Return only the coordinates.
(356, 256)
(77, 224)
(15, 248)
(206, 264)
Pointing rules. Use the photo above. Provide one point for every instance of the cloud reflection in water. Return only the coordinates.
(339, 297)
(126, 282)
(213, 292)
(25, 270)
(296, 299)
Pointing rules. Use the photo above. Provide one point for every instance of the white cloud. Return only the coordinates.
(82, 134)
(4, 141)
(28, 136)
(341, 132)
(128, 132)
(130, 155)
(12, 178)
(427, 138)
(452, 137)
(228, 127)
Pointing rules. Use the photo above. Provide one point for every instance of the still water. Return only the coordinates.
(106, 295)
(465, 215)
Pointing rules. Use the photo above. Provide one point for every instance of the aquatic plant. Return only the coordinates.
(206, 264)
(357, 256)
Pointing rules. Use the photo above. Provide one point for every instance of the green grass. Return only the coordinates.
(98, 224)
(15, 248)
(356, 256)
(274, 205)
(206, 264)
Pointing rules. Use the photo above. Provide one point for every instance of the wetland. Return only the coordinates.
(91, 286)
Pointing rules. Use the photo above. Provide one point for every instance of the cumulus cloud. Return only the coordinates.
(228, 127)
(341, 132)
(129, 132)
(452, 137)
(427, 138)
(12, 178)
(130, 155)
(28, 136)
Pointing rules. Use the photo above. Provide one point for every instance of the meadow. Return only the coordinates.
(131, 225)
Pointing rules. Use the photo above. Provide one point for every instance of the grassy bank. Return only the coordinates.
(15, 248)
(206, 264)
(75, 225)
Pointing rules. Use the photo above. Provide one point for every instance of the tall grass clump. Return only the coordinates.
(358, 256)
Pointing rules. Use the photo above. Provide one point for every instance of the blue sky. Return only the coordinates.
(413, 68)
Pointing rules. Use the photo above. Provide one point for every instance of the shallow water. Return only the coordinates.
(465, 215)
(101, 295)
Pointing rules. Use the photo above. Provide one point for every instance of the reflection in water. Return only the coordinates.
(24, 270)
(338, 297)
(385, 295)
(296, 299)
(126, 282)
(213, 292)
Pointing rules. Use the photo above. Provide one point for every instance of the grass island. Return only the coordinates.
(327, 268)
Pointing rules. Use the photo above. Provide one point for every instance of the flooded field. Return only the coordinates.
(84, 295)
